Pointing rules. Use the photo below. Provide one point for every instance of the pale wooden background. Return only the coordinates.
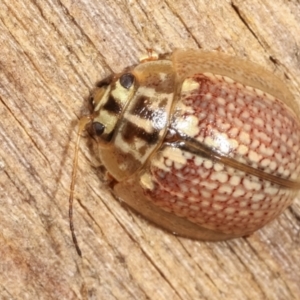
(51, 54)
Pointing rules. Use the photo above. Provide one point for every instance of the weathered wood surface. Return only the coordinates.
(52, 52)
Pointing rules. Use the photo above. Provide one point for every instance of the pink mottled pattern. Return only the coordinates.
(272, 128)
(220, 197)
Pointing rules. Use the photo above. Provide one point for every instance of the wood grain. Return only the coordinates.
(52, 52)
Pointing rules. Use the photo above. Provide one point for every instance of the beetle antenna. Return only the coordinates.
(81, 126)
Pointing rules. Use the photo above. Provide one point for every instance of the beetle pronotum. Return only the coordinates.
(200, 143)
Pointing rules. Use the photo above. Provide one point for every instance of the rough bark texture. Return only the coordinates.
(52, 52)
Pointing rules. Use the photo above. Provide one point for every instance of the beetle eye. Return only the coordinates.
(98, 128)
(126, 80)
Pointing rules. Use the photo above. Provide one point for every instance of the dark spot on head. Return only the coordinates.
(163, 103)
(141, 108)
(109, 136)
(98, 128)
(159, 84)
(143, 150)
(131, 131)
(112, 105)
(127, 80)
(105, 82)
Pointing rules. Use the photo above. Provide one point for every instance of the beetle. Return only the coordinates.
(202, 144)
